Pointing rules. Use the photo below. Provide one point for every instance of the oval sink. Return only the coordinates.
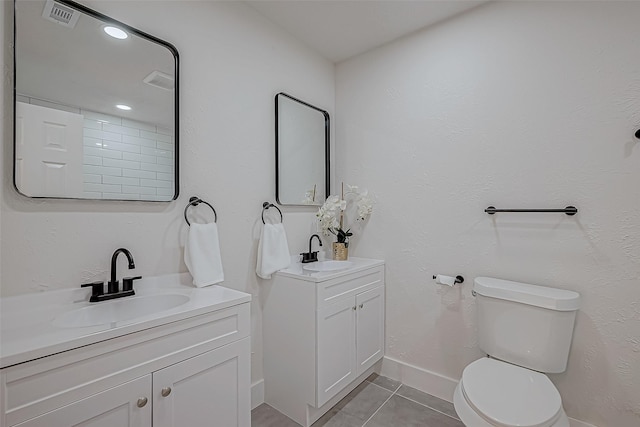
(327, 265)
(119, 310)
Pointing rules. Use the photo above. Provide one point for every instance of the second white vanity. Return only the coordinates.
(172, 355)
(323, 332)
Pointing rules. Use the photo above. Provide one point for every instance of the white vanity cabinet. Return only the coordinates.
(190, 372)
(323, 333)
(350, 340)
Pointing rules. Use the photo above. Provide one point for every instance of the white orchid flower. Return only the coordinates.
(333, 208)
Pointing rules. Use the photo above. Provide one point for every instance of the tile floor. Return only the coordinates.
(377, 402)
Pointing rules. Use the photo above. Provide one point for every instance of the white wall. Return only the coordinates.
(232, 63)
(516, 105)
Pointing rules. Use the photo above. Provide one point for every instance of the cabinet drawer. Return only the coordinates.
(332, 290)
(39, 386)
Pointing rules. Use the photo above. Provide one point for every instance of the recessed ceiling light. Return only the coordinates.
(123, 107)
(116, 32)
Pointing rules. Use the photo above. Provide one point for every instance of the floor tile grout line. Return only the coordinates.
(412, 400)
(395, 392)
(427, 406)
(384, 388)
(380, 407)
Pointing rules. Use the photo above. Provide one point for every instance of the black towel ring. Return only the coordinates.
(267, 205)
(195, 201)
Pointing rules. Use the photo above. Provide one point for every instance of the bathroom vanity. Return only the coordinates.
(180, 357)
(323, 332)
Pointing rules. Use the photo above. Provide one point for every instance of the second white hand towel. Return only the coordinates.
(202, 254)
(273, 251)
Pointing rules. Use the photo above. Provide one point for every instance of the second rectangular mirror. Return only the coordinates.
(302, 152)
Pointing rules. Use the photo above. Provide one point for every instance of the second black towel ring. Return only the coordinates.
(195, 201)
(267, 205)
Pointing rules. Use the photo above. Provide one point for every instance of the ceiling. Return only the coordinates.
(80, 66)
(340, 29)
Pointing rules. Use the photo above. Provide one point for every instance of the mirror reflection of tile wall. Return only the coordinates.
(122, 158)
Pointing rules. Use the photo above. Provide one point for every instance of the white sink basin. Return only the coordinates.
(327, 265)
(118, 310)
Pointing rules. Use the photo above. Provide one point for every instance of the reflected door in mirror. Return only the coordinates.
(47, 157)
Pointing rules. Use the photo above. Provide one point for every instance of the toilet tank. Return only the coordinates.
(523, 324)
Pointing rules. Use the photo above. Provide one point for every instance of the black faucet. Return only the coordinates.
(311, 256)
(113, 287)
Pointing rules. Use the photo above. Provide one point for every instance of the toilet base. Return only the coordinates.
(470, 417)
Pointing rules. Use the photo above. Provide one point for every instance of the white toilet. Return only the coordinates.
(525, 330)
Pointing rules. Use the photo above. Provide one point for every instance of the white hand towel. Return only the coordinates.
(273, 251)
(202, 254)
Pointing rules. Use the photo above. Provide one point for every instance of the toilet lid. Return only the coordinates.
(507, 395)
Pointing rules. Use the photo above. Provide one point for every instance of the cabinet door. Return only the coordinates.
(209, 390)
(127, 405)
(369, 328)
(336, 349)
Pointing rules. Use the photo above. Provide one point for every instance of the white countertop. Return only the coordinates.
(27, 330)
(297, 271)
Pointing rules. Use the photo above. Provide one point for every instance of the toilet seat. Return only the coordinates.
(507, 395)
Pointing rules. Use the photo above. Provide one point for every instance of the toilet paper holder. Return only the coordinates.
(459, 279)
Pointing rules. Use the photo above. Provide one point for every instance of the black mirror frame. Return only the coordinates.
(142, 34)
(327, 144)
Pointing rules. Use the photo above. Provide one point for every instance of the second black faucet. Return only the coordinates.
(311, 256)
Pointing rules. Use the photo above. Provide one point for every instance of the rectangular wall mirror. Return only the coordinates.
(302, 152)
(96, 106)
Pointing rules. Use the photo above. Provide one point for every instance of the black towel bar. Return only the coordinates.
(195, 201)
(569, 210)
(267, 205)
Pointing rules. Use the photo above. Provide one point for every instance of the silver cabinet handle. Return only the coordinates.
(165, 391)
(353, 308)
(361, 305)
(142, 402)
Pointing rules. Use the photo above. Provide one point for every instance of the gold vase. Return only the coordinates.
(340, 251)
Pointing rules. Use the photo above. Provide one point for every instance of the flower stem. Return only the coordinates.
(341, 198)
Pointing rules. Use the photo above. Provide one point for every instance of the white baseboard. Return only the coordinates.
(420, 378)
(431, 382)
(257, 394)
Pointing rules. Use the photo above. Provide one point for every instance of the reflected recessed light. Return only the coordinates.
(123, 107)
(116, 32)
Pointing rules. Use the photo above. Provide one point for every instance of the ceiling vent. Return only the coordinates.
(159, 79)
(60, 14)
